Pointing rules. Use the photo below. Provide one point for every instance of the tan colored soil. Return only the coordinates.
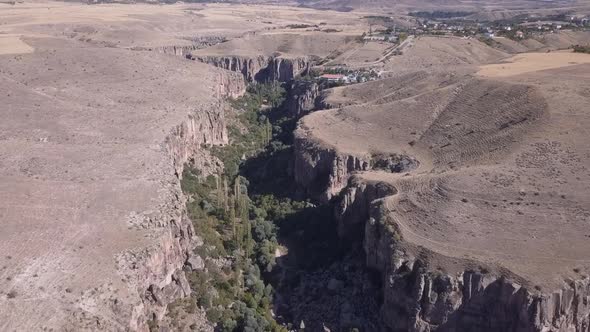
(504, 162)
(532, 62)
(82, 153)
(13, 44)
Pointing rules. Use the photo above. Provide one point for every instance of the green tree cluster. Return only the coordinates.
(234, 295)
(241, 226)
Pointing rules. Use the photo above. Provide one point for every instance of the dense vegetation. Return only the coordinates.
(238, 245)
(240, 212)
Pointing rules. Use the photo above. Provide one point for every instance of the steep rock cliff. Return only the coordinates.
(422, 290)
(302, 98)
(419, 296)
(197, 43)
(320, 171)
(156, 273)
(260, 68)
(230, 85)
(205, 127)
(178, 50)
(353, 206)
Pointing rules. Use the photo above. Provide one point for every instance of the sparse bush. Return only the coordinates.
(300, 26)
(488, 41)
(437, 14)
(581, 49)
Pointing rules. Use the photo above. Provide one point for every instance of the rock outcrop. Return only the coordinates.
(197, 43)
(420, 297)
(320, 171)
(260, 68)
(204, 127)
(178, 50)
(157, 272)
(303, 97)
(231, 85)
(424, 291)
(353, 206)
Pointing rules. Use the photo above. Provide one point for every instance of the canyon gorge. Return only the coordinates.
(441, 188)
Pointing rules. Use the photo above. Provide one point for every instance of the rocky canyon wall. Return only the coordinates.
(197, 43)
(353, 206)
(259, 68)
(322, 172)
(303, 97)
(419, 295)
(157, 273)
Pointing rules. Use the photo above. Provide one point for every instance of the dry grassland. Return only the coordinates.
(532, 62)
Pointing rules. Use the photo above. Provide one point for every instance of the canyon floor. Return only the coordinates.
(102, 106)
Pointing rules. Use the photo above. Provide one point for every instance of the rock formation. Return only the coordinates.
(197, 43)
(421, 297)
(158, 272)
(354, 203)
(321, 172)
(303, 97)
(178, 50)
(260, 68)
(418, 296)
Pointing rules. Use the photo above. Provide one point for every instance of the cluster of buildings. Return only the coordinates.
(515, 29)
(382, 37)
(390, 35)
(349, 77)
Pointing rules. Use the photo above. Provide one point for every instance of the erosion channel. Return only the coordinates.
(269, 257)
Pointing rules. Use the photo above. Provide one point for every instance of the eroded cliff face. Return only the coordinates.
(354, 203)
(156, 273)
(197, 43)
(178, 50)
(303, 98)
(260, 68)
(322, 172)
(420, 297)
(419, 292)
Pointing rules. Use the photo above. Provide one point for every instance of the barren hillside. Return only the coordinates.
(450, 190)
(499, 175)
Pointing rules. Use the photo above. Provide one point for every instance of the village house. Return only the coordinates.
(334, 77)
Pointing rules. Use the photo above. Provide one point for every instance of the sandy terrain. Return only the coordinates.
(87, 186)
(13, 44)
(85, 174)
(503, 164)
(361, 54)
(287, 41)
(533, 62)
(158, 25)
(443, 54)
(81, 158)
(288, 44)
(482, 9)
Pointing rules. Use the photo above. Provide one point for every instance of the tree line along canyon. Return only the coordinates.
(310, 165)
